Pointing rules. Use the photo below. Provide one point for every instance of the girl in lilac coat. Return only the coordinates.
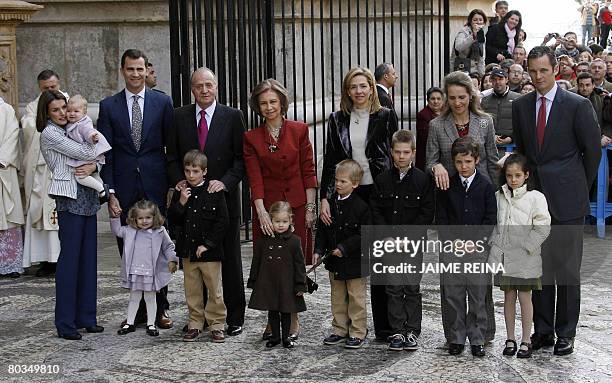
(148, 260)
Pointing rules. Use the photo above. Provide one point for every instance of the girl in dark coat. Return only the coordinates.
(278, 275)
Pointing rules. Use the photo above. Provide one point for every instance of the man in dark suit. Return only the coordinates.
(558, 132)
(135, 122)
(385, 80)
(218, 131)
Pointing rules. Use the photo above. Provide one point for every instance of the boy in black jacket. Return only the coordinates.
(342, 239)
(204, 219)
(403, 195)
(469, 200)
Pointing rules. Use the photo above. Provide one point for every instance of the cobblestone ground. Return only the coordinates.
(27, 336)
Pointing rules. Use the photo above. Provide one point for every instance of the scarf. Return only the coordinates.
(511, 34)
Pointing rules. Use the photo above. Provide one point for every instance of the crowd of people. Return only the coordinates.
(170, 178)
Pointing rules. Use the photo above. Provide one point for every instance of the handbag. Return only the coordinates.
(462, 64)
(311, 285)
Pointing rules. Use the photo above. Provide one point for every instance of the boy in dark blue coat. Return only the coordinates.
(469, 201)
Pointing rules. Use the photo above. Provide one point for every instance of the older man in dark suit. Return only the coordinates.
(218, 131)
(385, 77)
(558, 132)
(135, 122)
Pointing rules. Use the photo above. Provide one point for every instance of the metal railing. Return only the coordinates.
(308, 45)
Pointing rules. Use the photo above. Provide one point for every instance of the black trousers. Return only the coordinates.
(162, 296)
(231, 274)
(561, 262)
(277, 322)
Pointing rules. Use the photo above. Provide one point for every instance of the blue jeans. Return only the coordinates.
(587, 30)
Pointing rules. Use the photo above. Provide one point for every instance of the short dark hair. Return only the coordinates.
(46, 74)
(541, 51)
(433, 90)
(520, 160)
(42, 114)
(134, 54)
(381, 70)
(596, 48)
(403, 136)
(570, 33)
(476, 12)
(584, 75)
(466, 146)
(500, 2)
(475, 75)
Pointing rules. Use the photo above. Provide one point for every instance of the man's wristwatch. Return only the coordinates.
(311, 207)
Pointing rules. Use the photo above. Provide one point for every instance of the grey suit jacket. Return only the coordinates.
(442, 134)
(565, 167)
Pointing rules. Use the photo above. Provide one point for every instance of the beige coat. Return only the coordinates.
(11, 211)
(37, 176)
(523, 224)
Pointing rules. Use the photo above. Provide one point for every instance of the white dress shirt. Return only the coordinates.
(208, 113)
(129, 96)
(550, 97)
(469, 179)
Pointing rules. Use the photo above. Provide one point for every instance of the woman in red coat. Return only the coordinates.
(279, 162)
(435, 103)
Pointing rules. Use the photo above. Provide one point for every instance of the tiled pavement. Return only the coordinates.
(27, 337)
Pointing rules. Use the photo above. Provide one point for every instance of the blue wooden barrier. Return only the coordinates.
(601, 209)
(507, 147)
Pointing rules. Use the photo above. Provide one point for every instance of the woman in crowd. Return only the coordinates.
(77, 205)
(11, 212)
(279, 161)
(361, 130)
(527, 87)
(486, 83)
(502, 38)
(462, 117)
(435, 103)
(469, 44)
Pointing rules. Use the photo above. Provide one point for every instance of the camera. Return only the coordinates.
(599, 90)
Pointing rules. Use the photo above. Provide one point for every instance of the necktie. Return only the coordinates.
(202, 130)
(541, 125)
(465, 185)
(136, 122)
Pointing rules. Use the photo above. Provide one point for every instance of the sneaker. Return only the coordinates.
(334, 339)
(411, 343)
(217, 336)
(397, 342)
(353, 342)
(191, 335)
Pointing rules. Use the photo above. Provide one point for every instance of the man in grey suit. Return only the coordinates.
(558, 132)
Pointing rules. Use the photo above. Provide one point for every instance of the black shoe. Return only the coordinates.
(271, 343)
(75, 336)
(128, 328)
(288, 343)
(13, 275)
(94, 329)
(234, 330)
(185, 328)
(478, 350)
(46, 269)
(152, 330)
(455, 348)
(510, 348)
(267, 335)
(106, 197)
(564, 346)
(294, 337)
(524, 353)
(334, 339)
(538, 341)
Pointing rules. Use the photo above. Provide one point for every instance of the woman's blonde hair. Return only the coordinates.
(281, 207)
(264, 86)
(148, 206)
(346, 104)
(462, 79)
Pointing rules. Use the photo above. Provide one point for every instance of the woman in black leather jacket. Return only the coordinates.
(360, 130)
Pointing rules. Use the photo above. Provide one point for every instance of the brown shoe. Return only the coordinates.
(217, 336)
(164, 321)
(191, 335)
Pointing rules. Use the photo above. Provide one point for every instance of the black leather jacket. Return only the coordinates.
(338, 147)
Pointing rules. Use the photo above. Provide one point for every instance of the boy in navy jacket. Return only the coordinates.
(469, 200)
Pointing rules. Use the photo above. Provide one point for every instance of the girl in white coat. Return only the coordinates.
(523, 224)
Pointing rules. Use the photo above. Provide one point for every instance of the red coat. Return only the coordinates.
(283, 175)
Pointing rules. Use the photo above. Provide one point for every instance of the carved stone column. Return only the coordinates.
(12, 13)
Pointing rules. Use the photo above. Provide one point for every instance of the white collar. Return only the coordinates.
(340, 198)
(383, 88)
(550, 96)
(209, 111)
(469, 179)
(129, 95)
